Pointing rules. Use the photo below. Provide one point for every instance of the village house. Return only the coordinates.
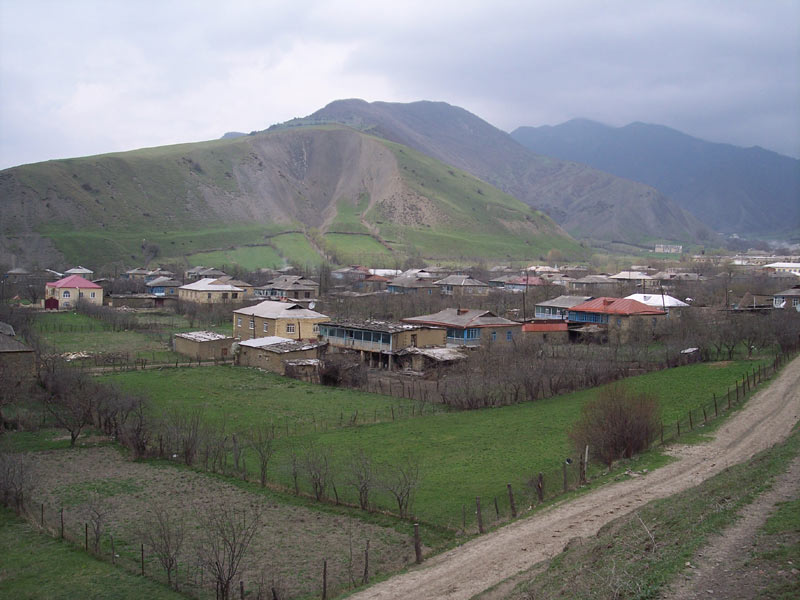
(412, 284)
(378, 341)
(592, 283)
(299, 359)
(470, 327)
(549, 331)
(137, 273)
(17, 359)
(67, 292)
(783, 267)
(275, 318)
(210, 291)
(787, 298)
(615, 314)
(156, 273)
(558, 308)
(523, 283)
(248, 293)
(427, 360)
(203, 345)
(663, 301)
(461, 285)
(79, 270)
(201, 272)
(295, 287)
(163, 286)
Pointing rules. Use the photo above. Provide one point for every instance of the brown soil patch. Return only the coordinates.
(767, 418)
(290, 545)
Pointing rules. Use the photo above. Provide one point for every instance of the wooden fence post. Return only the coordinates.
(691, 424)
(729, 397)
(496, 509)
(564, 469)
(41, 522)
(241, 589)
(511, 502)
(480, 516)
(365, 579)
(464, 517)
(540, 487)
(705, 417)
(325, 579)
(417, 544)
(678, 423)
(716, 411)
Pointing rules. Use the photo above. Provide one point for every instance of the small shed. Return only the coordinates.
(17, 360)
(272, 354)
(203, 345)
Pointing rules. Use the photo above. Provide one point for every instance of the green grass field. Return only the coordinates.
(247, 257)
(241, 397)
(357, 249)
(35, 565)
(462, 454)
(297, 249)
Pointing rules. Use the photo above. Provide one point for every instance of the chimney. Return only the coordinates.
(462, 311)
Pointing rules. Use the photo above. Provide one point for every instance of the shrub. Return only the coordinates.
(616, 424)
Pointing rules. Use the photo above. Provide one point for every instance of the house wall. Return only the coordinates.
(304, 329)
(22, 364)
(271, 361)
(219, 349)
(424, 337)
(93, 296)
(206, 297)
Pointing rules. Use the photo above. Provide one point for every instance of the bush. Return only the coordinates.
(616, 424)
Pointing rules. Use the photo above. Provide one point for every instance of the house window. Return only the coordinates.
(65, 294)
(290, 328)
(224, 295)
(234, 295)
(795, 301)
(494, 336)
(238, 321)
(619, 321)
(252, 324)
(508, 335)
(307, 294)
(209, 295)
(91, 294)
(315, 328)
(266, 327)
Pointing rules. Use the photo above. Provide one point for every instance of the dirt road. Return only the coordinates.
(767, 418)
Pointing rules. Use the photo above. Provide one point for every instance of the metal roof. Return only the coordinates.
(271, 309)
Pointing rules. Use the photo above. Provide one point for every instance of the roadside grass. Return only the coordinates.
(778, 551)
(623, 560)
(462, 454)
(34, 565)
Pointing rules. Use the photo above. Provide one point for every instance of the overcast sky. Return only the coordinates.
(88, 77)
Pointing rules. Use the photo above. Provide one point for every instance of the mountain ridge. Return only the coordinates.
(732, 189)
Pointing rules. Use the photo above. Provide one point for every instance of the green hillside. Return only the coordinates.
(258, 201)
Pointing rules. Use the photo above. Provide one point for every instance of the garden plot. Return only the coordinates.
(288, 548)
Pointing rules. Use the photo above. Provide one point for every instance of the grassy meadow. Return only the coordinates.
(461, 454)
(35, 565)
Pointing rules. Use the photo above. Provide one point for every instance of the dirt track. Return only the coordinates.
(767, 418)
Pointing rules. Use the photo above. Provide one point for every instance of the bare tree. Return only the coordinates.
(401, 481)
(16, 479)
(260, 440)
(164, 535)
(361, 476)
(98, 511)
(136, 430)
(316, 466)
(71, 399)
(225, 535)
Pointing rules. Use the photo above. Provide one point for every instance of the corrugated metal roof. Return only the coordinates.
(210, 285)
(462, 318)
(271, 309)
(203, 336)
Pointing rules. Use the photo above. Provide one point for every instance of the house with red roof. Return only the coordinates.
(616, 314)
(67, 292)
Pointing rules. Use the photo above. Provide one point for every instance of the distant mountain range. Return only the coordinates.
(588, 203)
(748, 191)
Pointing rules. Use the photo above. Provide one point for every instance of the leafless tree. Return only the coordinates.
(616, 424)
(98, 511)
(225, 535)
(136, 431)
(401, 481)
(164, 535)
(361, 476)
(316, 467)
(260, 440)
(71, 399)
(16, 479)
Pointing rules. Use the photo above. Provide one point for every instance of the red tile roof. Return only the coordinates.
(616, 306)
(73, 281)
